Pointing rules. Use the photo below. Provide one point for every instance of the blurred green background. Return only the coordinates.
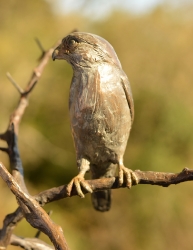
(156, 51)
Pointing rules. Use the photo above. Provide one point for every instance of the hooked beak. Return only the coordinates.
(60, 53)
(55, 54)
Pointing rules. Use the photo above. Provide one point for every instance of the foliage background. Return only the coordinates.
(157, 54)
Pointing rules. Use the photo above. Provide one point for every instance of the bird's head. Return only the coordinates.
(85, 50)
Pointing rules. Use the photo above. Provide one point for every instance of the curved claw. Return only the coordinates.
(69, 187)
(79, 182)
(129, 175)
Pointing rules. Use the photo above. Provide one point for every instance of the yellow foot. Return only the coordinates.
(79, 182)
(129, 176)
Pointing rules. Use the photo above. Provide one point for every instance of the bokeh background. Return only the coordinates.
(154, 42)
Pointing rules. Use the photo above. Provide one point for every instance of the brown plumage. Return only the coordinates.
(101, 112)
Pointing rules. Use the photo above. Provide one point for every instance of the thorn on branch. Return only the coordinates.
(19, 89)
(6, 150)
(41, 48)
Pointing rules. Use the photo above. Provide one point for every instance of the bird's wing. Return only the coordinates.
(128, 94)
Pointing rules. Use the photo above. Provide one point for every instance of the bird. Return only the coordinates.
(101, 110)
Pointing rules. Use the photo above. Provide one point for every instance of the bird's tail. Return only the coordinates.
(101, 200)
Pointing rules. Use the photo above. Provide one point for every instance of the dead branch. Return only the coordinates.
(10, 136)
(29, 243)
(9, 223)
(34, 213)
(17, 114)
(145, 177)
(57, 193)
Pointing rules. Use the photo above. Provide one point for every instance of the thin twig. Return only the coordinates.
(4, 149)
(40, 45)
(20, 90)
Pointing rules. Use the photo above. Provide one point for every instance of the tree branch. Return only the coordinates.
(34, 213)
(145, 177)
(29, 243)
(9, 224)
(17, 114)
(57, 193)
(10, 136)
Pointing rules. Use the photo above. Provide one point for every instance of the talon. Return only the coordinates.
(69, 188)
(120, 177)
(86, 186)
(129, 175)
(79, 182)
(135, 178)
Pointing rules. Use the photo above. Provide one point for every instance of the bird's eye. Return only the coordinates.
(72, 42)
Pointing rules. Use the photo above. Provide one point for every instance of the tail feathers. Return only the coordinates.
(101, 200)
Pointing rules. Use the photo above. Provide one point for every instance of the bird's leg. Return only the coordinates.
(79, 180)
(128, 174)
